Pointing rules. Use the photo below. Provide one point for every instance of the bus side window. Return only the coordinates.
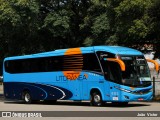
(7, 66)
(114, 71)
(53, 64)
(49, 64)
(58, 63)
(91, 63)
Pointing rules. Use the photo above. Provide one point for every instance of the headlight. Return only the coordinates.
(122, 89)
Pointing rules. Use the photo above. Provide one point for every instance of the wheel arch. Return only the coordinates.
(97, 90)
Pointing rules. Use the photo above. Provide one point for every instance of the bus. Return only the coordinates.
(99, 74)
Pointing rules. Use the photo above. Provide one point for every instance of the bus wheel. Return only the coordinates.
(27, 97)
(96, 99)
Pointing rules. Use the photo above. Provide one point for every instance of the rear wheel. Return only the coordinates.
(27, 97)
(96, 99)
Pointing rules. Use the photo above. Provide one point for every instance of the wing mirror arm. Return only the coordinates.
(155, 63)
(120, 62)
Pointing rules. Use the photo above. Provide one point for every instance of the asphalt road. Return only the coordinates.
(80, 106)
(75, 106)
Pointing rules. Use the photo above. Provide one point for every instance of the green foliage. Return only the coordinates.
(132, 22)
(8, 14)
(154, 25)
(58, 23)
(132, 8)
(112, 40)
(138, 30)
(30, 26)
(100, 25)
(99, 31)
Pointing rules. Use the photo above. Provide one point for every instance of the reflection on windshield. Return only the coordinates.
(143, 71)
(137, 72)
(130, 71)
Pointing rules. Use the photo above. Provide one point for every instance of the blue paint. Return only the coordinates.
(49, 92)
(112, 49)
(45, 86)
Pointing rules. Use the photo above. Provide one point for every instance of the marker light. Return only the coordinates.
(122, 89)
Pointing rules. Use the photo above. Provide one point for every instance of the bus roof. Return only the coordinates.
(118, 50)
(112, 49)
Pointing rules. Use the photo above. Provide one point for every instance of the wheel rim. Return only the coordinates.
(97, 98)
(27, 97)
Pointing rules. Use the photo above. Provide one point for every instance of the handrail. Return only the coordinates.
(120, 62)
(155, 63)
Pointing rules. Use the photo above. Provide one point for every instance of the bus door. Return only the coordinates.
(113, 75)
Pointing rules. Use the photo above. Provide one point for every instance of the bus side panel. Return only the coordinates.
(41, 86)
(81, 87)
(14, 90)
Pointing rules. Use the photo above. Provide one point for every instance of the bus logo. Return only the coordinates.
(73, 63)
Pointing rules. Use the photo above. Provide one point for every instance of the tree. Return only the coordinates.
(133, 22)
(99, 23)
(63, 22)
(154, 14)
(28, 27)
(18, 23)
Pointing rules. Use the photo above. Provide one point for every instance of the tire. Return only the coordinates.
(27, 97)
(96, 99)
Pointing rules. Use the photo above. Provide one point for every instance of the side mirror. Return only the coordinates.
(120, 62)
(155, 63)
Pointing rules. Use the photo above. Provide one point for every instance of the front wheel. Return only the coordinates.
(96, 99)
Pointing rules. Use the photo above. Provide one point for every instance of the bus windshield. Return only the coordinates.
(136, 73)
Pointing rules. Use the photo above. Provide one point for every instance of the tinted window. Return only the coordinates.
(112, 71)
(102, 54)
(55, 63)
(45, 64)
(91, 63)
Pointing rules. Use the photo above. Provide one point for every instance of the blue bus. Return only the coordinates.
(98, 73)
